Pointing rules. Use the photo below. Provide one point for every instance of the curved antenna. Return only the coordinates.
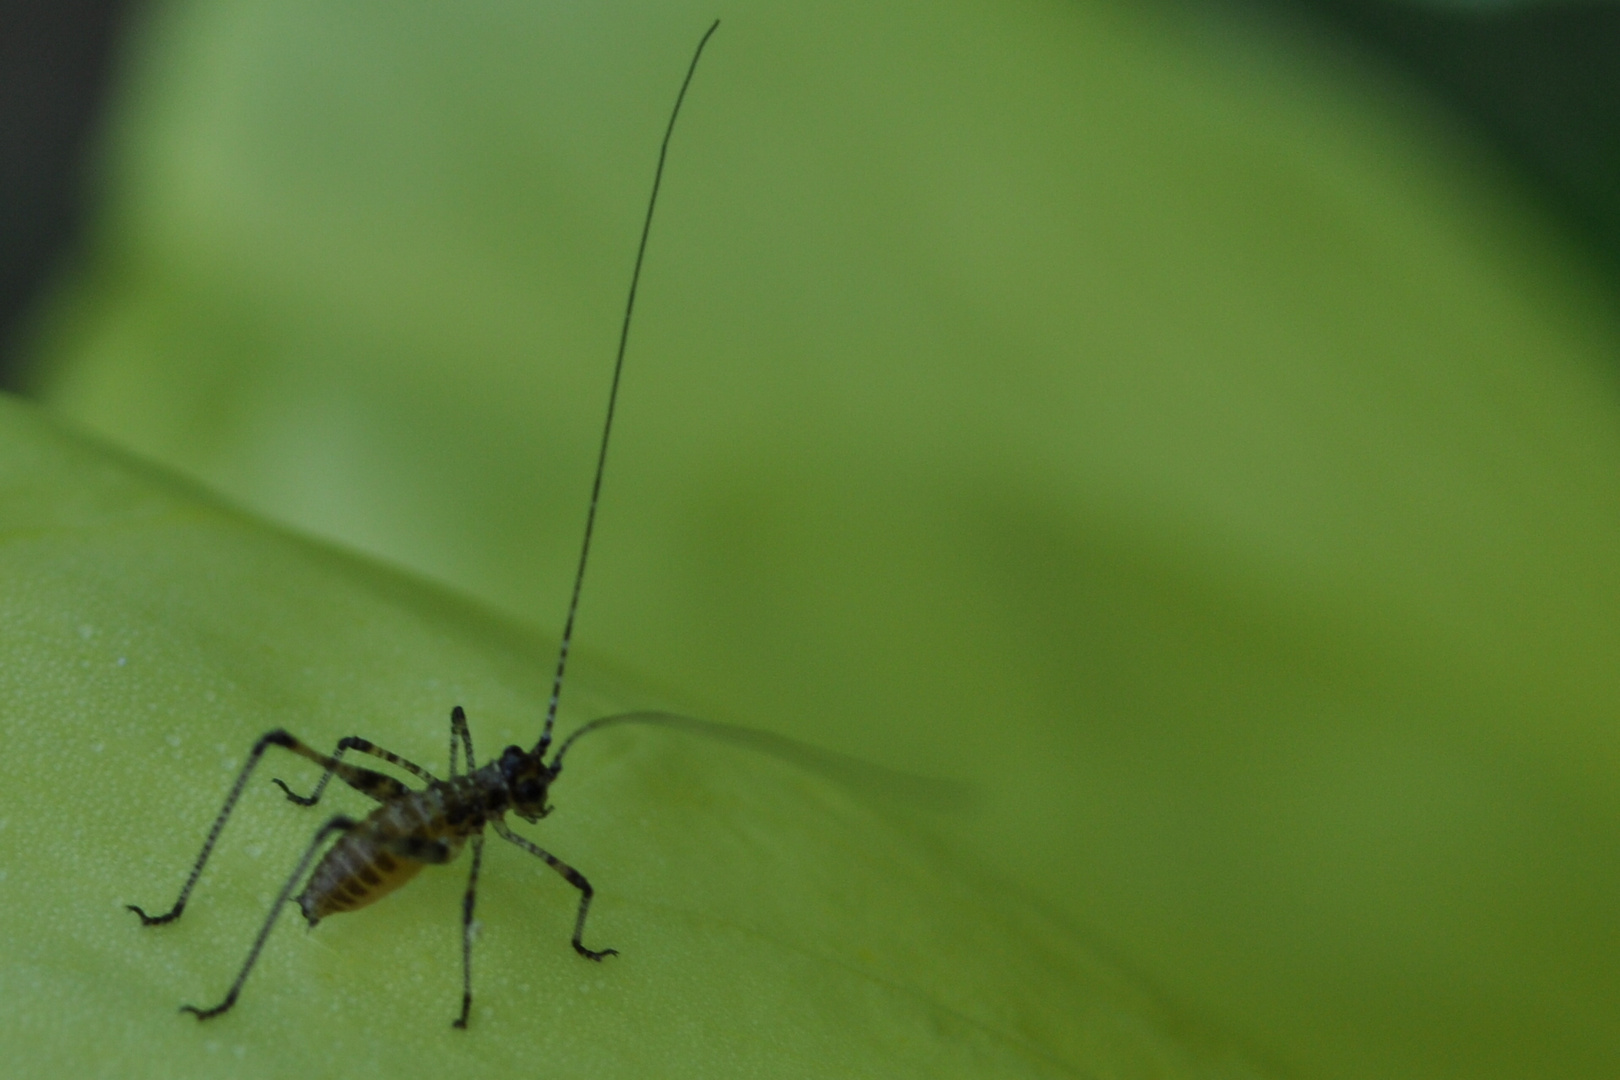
(874, 783)
(613, 397)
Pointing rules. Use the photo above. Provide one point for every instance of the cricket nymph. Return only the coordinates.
(411, 828)
(420, 828)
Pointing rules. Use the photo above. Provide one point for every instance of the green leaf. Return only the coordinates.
(769, 921)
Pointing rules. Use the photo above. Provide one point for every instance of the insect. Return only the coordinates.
(413, 828)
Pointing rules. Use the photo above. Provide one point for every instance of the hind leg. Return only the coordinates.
(278, 737)
(338, 824)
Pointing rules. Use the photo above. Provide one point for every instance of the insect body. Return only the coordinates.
(413, 828)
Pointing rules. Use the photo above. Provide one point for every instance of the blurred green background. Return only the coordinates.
(1168, 419)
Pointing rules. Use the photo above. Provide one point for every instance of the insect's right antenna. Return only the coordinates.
(613, 397)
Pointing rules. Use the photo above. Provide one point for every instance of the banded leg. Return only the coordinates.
(459, 730)
(375, 784)
(338, 824)
(278, 737)
(570, 875)
(467, 903)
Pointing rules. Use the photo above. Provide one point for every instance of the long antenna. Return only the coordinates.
(613, 398)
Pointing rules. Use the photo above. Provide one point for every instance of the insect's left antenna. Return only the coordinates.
(613, 397)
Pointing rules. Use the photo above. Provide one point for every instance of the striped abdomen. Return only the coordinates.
(385, 851)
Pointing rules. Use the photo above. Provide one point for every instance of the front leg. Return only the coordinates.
(570, 875)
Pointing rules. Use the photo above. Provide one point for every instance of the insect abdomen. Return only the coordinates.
(375, 859)
(353, 874)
